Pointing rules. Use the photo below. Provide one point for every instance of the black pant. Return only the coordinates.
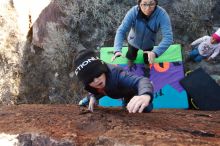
(132, 54)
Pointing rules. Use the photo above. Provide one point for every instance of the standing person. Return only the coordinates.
(102, 79)
(205, 47)
(143, 22)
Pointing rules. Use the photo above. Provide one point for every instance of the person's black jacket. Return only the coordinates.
(122, 84)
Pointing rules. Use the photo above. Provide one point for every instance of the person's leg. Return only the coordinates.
(147, 67)
(199, 58)
(131, 55)
(195, 56)
(145, 56)
(194, 53)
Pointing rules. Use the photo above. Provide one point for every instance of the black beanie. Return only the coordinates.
(88, 66)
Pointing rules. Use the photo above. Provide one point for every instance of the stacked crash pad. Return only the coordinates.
(165, 74)
(203, 91)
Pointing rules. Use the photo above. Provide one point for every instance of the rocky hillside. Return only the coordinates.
(38, 41)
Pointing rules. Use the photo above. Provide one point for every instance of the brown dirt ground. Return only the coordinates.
(113, 126)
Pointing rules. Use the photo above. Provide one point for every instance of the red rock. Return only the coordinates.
(73, 125)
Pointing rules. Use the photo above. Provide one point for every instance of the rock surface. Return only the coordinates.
(39, 40)
(66, 125)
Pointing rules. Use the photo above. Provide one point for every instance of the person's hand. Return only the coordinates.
(92, 103)
(117, 54)
(151, 56)
(138, 103)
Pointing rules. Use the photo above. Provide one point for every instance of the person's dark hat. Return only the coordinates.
(88, 66)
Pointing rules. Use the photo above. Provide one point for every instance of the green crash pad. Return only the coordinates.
(167, 91)
(172, 54)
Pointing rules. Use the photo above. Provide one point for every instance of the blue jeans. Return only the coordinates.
(195, 56)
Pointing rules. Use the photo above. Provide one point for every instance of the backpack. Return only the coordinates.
(203, 91)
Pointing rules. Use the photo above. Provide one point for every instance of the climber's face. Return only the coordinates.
(98, 82)
(213, 41)
(147, 6)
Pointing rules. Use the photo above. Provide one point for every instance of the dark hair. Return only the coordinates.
(139, 1)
